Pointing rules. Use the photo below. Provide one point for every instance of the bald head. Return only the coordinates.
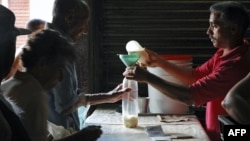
(71, 17)
(63, 8)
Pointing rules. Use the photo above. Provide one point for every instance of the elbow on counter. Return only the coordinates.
(227, 103)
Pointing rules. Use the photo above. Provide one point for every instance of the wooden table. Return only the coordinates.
(114, 130)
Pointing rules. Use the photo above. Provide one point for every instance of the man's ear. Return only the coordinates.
(235, 29)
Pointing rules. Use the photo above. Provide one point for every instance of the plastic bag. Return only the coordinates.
(58, 132)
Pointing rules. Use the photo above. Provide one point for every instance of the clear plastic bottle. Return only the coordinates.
(130, 107)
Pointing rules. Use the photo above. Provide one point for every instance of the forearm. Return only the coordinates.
(182, 73)
(92, 99)
(176, 92)
(109, 97)
(97, 98)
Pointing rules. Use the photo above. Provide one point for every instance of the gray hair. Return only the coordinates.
(234, 12)
(63, 7)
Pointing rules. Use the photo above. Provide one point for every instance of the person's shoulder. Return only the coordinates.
(22, 83)
(30, 84)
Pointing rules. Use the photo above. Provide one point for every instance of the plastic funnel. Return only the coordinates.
(129, 59)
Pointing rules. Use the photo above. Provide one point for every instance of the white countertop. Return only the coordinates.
(114, 130)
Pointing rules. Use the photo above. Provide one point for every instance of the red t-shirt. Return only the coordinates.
(214, 79)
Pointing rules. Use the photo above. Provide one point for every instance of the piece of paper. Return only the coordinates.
(173, 118)
(166, 138)
(156, 133)
(58, 132)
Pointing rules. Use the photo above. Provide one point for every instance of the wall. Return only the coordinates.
(165, 26)
(29, 9)
(21, 11)
(41, 9)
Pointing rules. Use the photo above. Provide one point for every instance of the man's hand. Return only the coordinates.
(136, 73)
(116, 94)
(90, 133)
(148, 58)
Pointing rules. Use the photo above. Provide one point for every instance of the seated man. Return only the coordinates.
(44, 58)
(71, 18)
(237, 101)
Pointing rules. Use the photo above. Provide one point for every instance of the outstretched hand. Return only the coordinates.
(117, 93)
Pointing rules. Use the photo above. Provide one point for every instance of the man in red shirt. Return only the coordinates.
(210, 82)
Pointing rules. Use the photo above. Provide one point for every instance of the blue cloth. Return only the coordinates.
(82, 113)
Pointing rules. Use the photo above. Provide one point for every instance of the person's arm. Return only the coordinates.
(99, 98)
(237, 101)
(174, 91)
(109, 97)
(184, 74)
(16, 66)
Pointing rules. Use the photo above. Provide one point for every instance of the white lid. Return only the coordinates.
(133, 46)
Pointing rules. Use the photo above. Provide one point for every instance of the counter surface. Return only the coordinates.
(114, 130)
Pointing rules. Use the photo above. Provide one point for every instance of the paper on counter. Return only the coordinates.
(172, 118)
(156, 133)
(166, 138)
(58, 132)
(180, 136)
